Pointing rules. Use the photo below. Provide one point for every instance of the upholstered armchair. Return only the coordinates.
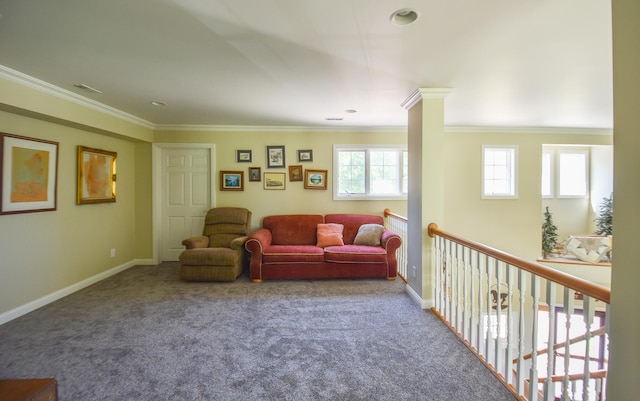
(218, 254)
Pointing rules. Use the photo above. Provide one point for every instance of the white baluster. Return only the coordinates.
(509, 354)
(568, 310)
(533, 374)
(522, 285)
(488, 313)
(497, 341)
(588, 311)
(549, 386)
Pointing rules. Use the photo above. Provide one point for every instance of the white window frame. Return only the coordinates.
(512, 192)
(368, 195)
(551, 174)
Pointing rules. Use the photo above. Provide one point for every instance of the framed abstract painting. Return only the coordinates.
(28, 174)
(96, 176)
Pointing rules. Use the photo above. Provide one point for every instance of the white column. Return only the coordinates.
(426, 183)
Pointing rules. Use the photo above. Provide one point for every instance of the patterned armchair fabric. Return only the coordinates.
(218, 254)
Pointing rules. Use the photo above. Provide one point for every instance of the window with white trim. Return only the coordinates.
(565, 173)
(370, 172)
(499, 171)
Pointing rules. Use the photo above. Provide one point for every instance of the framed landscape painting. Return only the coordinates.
(274, 181)
(315, 179)
(232, 180)
(96, 176)
(29, 174)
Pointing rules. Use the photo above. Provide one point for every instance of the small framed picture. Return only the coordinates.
(274, 180)
(295, 173)
(315, 179)
(96, 176)
(232, 180)
(28, 174)
(275, 157)
(305, 155)
(254, 174)
(243, 156)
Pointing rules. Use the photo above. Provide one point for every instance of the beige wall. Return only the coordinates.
(512, 225)
(295, 198)
(47, 251)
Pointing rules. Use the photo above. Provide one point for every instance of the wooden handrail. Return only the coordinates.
(597, 332)
(388, 213)
(598, 374)
(593, 290)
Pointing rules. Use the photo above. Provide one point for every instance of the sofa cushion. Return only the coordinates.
(293, 229)
(369, 234)
(209, 257)
(355, 254)
(292, 254)
(329, 235)
(352, 223)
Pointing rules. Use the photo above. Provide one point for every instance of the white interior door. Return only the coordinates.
(185, 196)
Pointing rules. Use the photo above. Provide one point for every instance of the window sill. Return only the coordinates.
(571, 260)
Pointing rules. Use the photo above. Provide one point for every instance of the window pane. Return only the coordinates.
(351, 170)
(572, 174)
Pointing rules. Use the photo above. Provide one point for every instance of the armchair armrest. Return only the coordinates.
(196, 242)
(238, 243)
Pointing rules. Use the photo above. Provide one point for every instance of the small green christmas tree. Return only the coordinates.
(549, 234)
(604, 221)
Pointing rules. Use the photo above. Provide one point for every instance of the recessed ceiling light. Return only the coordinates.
(334, 118)
(158, 103)
(87, 88)
(404, 16)
(351, 111)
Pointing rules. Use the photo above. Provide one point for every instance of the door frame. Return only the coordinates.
(158, 186)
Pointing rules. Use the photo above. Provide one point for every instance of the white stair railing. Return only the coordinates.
(398, 224)
(527, 322)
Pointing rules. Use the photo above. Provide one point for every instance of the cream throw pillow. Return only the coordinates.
(369, 234)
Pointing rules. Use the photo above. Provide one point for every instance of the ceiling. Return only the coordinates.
(509, 63)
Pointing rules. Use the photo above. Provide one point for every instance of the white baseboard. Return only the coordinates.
(47, 299)
(424, 303)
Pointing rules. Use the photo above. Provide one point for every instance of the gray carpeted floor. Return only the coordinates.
(144, 335)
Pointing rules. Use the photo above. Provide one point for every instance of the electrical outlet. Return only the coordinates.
(113, 252)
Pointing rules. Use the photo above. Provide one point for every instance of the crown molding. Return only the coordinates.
(45, 87)
(529, 130)
(425, 93)
(273, 128)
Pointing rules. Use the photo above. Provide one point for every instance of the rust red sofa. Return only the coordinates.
(288, 247)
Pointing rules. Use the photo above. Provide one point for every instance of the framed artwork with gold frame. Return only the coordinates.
(232, 180)
(315, 179)
(295, 173)
(96, 176)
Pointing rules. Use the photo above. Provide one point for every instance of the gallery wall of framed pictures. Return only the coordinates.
(275, 158)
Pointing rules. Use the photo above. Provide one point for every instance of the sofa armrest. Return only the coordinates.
(257, 241)
(390, 241)
(196, 242)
